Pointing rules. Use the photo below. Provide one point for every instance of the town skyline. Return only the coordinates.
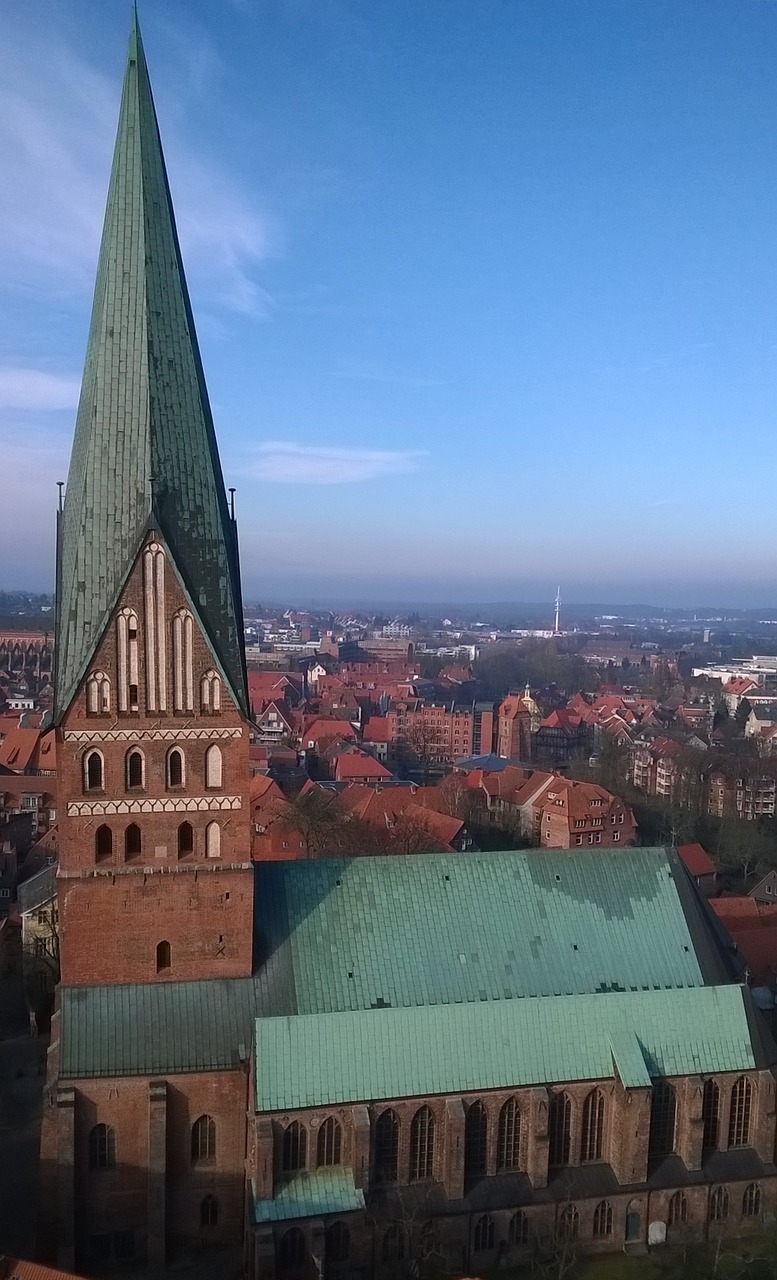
(380, 361)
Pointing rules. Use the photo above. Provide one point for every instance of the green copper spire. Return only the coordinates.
(145, 453)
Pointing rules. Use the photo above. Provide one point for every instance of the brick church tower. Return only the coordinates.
(155, 883)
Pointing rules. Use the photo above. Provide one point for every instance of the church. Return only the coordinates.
(371, 1066)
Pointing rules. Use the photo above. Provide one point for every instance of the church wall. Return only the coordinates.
(114, 1203)
(544, 1193)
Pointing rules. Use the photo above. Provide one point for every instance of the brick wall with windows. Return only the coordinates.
(155, 822)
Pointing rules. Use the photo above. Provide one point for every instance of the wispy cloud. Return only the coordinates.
(57, 119)
(282, 462)
(365, 371)
(36, 390)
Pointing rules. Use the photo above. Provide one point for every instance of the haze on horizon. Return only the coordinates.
(485, 293)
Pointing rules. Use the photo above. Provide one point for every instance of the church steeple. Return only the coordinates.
(145, 453)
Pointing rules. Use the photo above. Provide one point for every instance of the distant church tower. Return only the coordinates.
(155, 883)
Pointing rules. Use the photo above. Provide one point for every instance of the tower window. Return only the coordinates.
(185, 839)
(93, 771)
(183, 691)
(210, 693)
(164, 957)
(128, 660)
(135, 770)
(213, 840)
(132, 841)
(213, 766)
(98, 694)
(103, 843)
(175, 773)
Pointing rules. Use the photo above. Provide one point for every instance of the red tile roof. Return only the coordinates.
(696, 860)
(357, 764)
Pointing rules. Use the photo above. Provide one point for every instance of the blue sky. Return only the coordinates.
(486, 289)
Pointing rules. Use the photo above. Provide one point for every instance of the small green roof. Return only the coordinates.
(328, 1059)
(311, 1195)
(145, 453)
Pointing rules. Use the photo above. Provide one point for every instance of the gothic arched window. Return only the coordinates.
(663, 1114)
(98, 694)
(295, 1147)
(102, 1147)
(518, 1230)
(569, 1223)
(185, 839)
(593, 1127)
(739, 1114)
(183, 677)
(337, 1242)
(93, 771)
(133, 843)
(103, 843)
(135, 769)
(678, 1210)
(210, 693)
(603, 1219)
(719, 1205)
(508, 1143)
(213, 766)
(330, 1143)
(710, 1114)
(386, 1146)
(291, 1251)
(204, 1140)
(483, 1238)
(559, 1128)
(209, 1212)
(475, 1140)
(751, 1201)
(422, 1145)
(213, 840)
(175, 767)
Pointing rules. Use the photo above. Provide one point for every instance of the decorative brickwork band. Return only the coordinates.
(148, 735)
(174, 804)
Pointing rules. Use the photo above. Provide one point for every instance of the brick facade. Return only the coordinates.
(548, 1198)
(119, 902)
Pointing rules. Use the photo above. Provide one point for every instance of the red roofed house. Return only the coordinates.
(377, 736)
(753, 929)
(577, 814)
(356, 766)
(699, 865)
